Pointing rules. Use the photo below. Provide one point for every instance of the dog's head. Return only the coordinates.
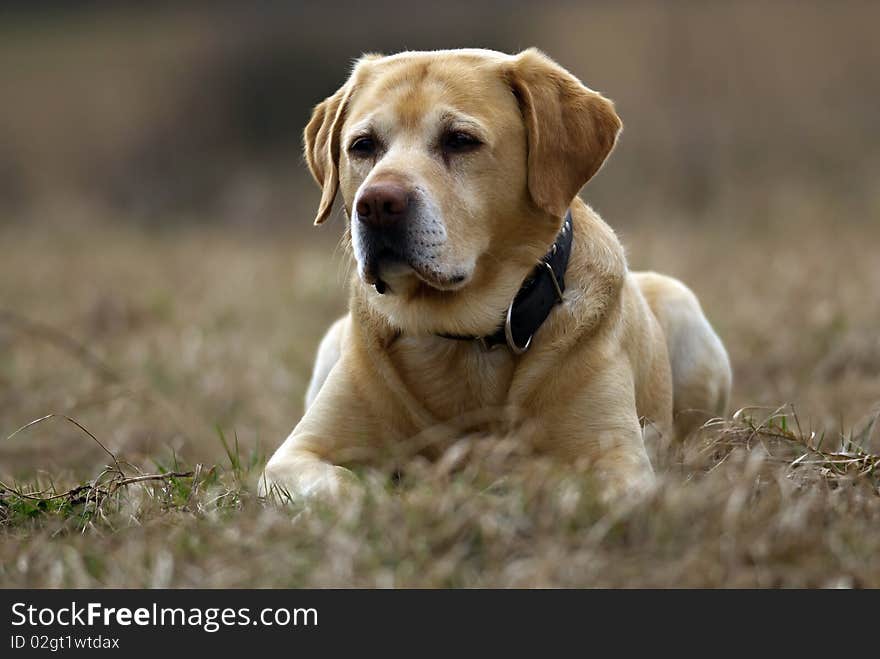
(456, 169)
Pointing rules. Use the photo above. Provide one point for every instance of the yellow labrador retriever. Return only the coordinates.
(488, 297)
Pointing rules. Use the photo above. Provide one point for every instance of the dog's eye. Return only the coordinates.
(363, 147)
(457, 141)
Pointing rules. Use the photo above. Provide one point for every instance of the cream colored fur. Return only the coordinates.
(624, 350)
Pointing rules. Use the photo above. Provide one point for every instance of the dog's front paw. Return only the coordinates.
(624, 478)
(626, 487)
(310, 480)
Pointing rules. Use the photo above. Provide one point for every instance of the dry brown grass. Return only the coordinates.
(159, 285)
(197, 329)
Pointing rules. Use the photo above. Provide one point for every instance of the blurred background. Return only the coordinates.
(159, 275)
(197, 109)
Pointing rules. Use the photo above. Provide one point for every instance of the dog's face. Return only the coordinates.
(455, 168)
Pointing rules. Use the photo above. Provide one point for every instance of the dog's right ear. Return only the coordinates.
(321, 140)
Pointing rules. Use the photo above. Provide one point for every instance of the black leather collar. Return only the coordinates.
(540, 292)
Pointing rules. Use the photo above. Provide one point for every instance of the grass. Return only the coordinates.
(748, 503)
(165, 352)
(160, 382)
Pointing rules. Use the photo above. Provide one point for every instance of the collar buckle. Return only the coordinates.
(535, 299)
(553, 279)
(508, 333)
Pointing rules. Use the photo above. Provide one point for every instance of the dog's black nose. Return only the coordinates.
(383, 204)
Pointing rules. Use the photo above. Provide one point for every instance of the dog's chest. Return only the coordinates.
(451, 377)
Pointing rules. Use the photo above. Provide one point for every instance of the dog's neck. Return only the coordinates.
(463, 376)
(539, 293)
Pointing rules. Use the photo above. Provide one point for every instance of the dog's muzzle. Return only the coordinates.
(382, 213)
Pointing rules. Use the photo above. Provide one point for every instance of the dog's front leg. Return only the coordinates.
(597, 426)
(336, 426)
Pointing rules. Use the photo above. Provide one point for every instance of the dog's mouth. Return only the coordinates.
(390, 273)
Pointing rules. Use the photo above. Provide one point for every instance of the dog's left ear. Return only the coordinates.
(571, 129)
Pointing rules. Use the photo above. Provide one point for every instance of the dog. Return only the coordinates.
(489, 298)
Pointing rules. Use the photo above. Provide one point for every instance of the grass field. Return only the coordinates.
(188, 350)
(162, 296)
